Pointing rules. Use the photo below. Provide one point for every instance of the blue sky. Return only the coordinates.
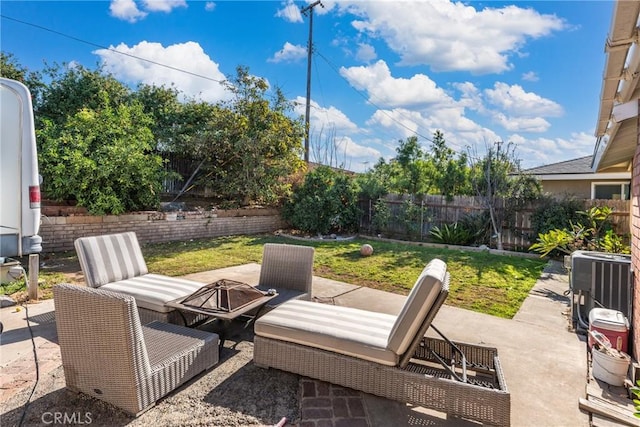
(485, 71)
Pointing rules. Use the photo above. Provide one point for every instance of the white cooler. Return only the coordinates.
(612, 324)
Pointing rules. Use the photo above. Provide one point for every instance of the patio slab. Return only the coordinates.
(545, 365)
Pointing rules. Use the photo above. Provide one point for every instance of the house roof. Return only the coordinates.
(574, 170)
(617, 136)
(580, 165)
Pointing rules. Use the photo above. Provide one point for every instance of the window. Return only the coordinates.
(610, 190)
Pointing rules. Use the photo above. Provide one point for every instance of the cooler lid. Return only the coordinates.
(608, 319)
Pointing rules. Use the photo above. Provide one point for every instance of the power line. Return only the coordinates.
(40, 27)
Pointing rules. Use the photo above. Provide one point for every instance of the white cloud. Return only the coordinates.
(515, 100)
(325, 119)
(530, 76)
(187, 56)
(163, 5)
(522, 124)
(210, 6)
(450, 36)
(289, 53)
(126, 10)
(388, 91)
(366, 52)
(543, 151)
(290, 12)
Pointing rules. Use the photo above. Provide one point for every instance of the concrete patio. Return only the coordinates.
(544, 363)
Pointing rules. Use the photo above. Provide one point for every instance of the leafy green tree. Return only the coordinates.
(163, 105)
(100, 157)
(74, 88)
(11, 69)
(411, 173)
(247, 145)
(326, 201)
(448, 173)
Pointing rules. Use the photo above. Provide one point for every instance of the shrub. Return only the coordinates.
(451, 234)
(596, 235)
(381, 216)
(554, 214)
(325, 202)
(478, 225)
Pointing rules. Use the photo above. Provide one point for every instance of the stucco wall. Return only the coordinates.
(577, 189)
(59, 233)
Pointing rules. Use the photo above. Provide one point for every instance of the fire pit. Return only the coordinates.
(224, 296)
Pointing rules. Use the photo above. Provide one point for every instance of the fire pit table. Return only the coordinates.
(224, 303)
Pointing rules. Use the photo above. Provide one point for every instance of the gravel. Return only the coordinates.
(235, 392)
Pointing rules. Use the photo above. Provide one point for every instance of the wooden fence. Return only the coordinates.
(437, 211)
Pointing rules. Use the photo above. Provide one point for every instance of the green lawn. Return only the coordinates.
(492, 284)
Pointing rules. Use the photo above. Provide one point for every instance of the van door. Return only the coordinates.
(19, 178)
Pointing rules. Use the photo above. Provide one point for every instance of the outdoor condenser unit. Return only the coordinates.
(600, 279)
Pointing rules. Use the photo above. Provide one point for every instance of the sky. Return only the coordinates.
(524, 72)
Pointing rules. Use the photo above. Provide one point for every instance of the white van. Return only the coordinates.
(19, 178)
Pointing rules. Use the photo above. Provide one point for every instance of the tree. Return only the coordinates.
(162, 104)
(247, 145)
(448, 173)
(95, 144)
(74, 88)
(499, 185)
(325, 149)
(411, 172)
(11, 69)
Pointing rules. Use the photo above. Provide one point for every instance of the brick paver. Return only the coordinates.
(328, 405)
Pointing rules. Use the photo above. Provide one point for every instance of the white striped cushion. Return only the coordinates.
(418, 303)
(110, 258)
(353, 332)
(152, 291)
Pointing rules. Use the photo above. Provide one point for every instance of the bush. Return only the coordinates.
(451, 234)
(478, 225)
(325, 202)
(381, 216)
(554, 214)
(595, 235)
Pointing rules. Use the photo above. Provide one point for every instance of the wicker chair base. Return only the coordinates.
(420, 383)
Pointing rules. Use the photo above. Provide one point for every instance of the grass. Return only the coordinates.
(480, 281)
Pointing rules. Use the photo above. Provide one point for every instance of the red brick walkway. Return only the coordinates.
(328, 405)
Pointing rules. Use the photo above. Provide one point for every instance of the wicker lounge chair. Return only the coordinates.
(114, 262)
(288, 269)
(109, 355)
(386, 355)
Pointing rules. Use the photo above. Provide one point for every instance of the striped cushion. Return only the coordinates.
(418, 303)
(110, 258)
(353, 332)
(152, 291)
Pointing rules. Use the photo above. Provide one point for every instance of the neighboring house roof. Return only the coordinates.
(570, 170)
(580, 165)
(616, 129)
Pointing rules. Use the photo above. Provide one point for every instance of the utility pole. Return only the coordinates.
(304, 11)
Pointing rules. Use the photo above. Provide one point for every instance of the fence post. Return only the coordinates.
(421, 218)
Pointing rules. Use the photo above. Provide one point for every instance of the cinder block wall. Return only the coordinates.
(59, 233)
(635, 251)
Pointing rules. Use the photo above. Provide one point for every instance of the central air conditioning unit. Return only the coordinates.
(600, 279)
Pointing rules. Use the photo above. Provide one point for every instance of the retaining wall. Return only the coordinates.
(59, 233)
